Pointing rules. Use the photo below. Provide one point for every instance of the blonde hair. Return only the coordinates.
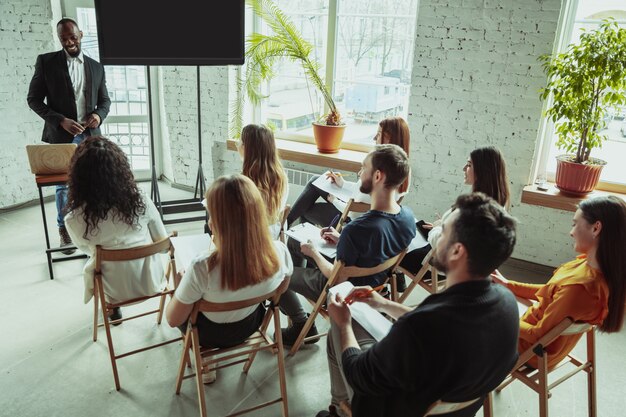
(244, 251)
(262, 165)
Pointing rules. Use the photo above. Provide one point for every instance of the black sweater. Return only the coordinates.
(456, 346)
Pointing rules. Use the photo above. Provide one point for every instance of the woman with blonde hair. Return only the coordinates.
(391, 130)
(262, 165)
(243, 262)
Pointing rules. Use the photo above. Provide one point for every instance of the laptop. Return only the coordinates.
(54, 158)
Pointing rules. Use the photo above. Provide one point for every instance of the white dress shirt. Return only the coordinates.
(76, 68)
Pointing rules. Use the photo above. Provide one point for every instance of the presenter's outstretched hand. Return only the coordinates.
(72, 126)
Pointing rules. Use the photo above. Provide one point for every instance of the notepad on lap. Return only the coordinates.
(186, 248)
(371, 320)
(305, 232)
(344, 193)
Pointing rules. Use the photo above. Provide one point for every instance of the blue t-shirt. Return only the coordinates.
(372, 239)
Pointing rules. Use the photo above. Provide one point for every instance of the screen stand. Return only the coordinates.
(190, 205)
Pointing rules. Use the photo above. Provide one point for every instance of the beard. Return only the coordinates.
(366, 186)
(438, 262)
(74, 53)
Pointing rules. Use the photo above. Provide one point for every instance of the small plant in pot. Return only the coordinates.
(263, 51)
(584, 82)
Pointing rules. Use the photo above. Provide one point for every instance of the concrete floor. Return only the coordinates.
(50, 366)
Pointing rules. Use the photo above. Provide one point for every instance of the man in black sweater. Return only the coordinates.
(456, 346)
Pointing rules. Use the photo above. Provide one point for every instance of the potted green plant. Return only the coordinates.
(584, 82)
(263, 51)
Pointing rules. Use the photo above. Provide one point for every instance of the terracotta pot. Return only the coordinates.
(577, 179)
(328, 138)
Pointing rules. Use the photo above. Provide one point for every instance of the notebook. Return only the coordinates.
(46, 159)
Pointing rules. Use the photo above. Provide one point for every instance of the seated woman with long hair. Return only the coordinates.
(591, 288)
(485, 171)
(393, 130)
(243, 263)
(105, 207)
(262, 165)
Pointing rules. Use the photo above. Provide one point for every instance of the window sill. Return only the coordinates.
(554, 199)
(307, 153)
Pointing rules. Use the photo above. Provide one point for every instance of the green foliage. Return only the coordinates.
(585, 81)
(262, 53)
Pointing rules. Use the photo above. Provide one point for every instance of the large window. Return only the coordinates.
(365, 48)
(588, 15)
(127, 123)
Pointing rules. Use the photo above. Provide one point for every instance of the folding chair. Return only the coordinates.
(120, 255)
(537, 379)
(352, 206)
(256, 342)
(283, 224)
(432, 285)
(339, 274)
(442, 407)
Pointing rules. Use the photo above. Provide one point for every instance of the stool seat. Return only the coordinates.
(43, 180)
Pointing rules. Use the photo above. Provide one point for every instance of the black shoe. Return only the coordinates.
(332, 412)
(400, 282)
(290, 334)
(116, 315)
(66, 240)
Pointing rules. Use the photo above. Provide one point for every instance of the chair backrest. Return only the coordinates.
(341, 272)
(352, 206)
(442, 407)
(210, 306)
(129, 254)
(283, 223)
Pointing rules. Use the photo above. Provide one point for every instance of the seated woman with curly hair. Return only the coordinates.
(106, 208)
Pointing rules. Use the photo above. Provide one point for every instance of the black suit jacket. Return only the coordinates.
(52, 82)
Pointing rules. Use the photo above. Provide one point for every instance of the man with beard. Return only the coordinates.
(456, 346)
(381, 233)
(76, 100)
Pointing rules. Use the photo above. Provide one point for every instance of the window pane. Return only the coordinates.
(589, 16)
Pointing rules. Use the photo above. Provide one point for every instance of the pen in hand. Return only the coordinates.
(361, 294)
(332, 223)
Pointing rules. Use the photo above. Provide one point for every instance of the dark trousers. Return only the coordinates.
(307, 209)
(223, 335)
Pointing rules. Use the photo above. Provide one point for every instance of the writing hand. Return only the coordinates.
(339, 311)
(93, 121)
(427, 226)
(330, 235)
(335, 178)
(72, 126)
(366, 295)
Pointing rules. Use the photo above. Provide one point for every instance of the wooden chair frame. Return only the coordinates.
(117, 255)
(537, 379)
(351, 206)
(442, 407)
(256, 342)
(283, 224)
(433, 286)
(339, 274)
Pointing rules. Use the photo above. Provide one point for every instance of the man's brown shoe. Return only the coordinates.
(66, 240)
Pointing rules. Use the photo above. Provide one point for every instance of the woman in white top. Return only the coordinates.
(243, 263)
(262, 165)
(392, 130)
(107, 208)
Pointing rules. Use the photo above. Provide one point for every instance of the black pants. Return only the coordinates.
(412, 261)
(223, 335)
(306, 209)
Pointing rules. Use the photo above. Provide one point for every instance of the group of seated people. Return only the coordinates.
(473, 327)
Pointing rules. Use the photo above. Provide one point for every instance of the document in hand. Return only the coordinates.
(305, 232)
(186, 248)
(345, 193)
(371, 320)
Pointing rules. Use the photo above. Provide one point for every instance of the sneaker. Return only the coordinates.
(116, 315)
(332, 412)
(209, 375)
(290, 334)
(66, 240)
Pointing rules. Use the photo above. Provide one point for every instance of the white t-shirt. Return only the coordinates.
(123, 280)
(275, 228)
(198, 282)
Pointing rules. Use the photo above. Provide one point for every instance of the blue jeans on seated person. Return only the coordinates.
(61, 190)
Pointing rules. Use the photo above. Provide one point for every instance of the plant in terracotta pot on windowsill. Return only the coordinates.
(263, 52)
(585, 82)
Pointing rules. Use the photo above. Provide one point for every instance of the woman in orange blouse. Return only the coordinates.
(591, 288)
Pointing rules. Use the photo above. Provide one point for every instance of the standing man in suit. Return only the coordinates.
(76, 100)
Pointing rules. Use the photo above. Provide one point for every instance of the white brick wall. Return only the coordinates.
(25, 32)
(475, 83)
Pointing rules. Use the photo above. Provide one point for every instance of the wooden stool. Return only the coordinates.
(47, 181)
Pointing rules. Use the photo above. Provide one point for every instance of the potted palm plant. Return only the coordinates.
(585, 82)
(263, 51)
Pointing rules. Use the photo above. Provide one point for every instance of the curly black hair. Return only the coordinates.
(101, 184)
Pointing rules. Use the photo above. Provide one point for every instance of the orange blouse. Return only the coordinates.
(576, 290)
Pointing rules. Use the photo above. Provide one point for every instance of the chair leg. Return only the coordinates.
(107, 328)
(591, 374)
(281, 363)
(394, 287)
(488, 405)
(198, 360)
(184, 359)
(543, 385)
(95, 310)
(308, 324)
(263, 328)
(161, 308)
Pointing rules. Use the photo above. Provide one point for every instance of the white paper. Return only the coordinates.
(344, 193)
(523, 305)
(186, 248)
(371, 320)
(417, 242)
(305, 232)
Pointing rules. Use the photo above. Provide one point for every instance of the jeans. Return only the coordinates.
(305, 207)
(61, 191)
